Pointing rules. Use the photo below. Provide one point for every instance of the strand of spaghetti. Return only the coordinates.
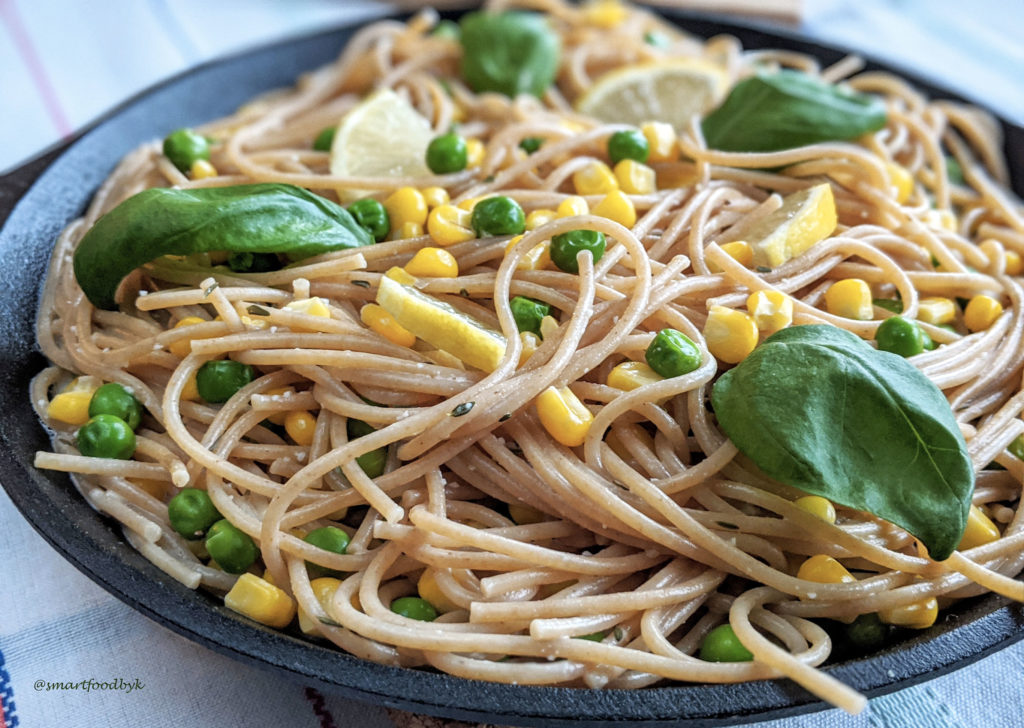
(821, 684)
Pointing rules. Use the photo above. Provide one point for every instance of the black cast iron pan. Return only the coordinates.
(43, 196)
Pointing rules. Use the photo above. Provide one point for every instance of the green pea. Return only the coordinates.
(447, 153)
(531, 144)
(867, 632)
(929, 345)
(217, 381)
(528, 313)
(254, 262)
(672, 354)
(371, 215)
(565, 248)
(184, 146)
(106, 436)
(900, 336)
(954, 171)
(628, 144)
(722, 645)
(328, 538)
(447, 29)
(191, 513)
(498, 216)
(893, 305)
(414, 608)
(232, 549)
(656, 39)
(373, 462)
(113, 399)
(1016, 447)
(325, 139)
(593, 636)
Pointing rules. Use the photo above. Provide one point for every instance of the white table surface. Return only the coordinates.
(64, 62)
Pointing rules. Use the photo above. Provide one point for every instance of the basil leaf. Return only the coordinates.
(786, 109)
(819, 409)
(256, 218)
(510, 52)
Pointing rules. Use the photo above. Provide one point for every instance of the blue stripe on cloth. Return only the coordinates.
(8, 715)
(165, 16)
(49, 636)
(918, 707)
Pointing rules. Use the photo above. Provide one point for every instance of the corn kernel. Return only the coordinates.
(190, 391)
(379, 320)
(824, 570)
(434, 263)
(406, 204)
(435, 196)
(618, 207)
(315, 306)
(278, 417)
(428, 589)
(474, 153)
(530, 342)
(979, 531)
(629, 375)
(401, 275)
(731, 335)
(594, 179)
(635, 178)
(661, 139)
(936, 310)
(300, 426)
(563, 415)
(408, 230)
(771, 310)
(901, 180)
(536, 258)
(449, 224)
(548, 326)
(524, 515)
(981, 312)
(604, 13)
(183, 347)
(573, 206)
(155, 488)
(540, 217)
(261, 601)
(817, 506)
(202, 169)
(71, 406)
(1014, 263)
(850, 298)
(323, 589)
(470, 202)
(738, 250)
(920, 615)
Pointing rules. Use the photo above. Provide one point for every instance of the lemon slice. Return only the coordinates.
(383, 136)
(805, 218)
(669, 91)
(442, 325)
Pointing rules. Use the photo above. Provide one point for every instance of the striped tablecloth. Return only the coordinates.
(70, 654)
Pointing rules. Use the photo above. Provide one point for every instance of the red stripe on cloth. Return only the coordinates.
(317, 702)
(3, 712)
(36, 69)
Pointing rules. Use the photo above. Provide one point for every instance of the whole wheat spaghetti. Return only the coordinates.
(649, 532)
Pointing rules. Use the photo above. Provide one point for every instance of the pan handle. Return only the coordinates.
(15, 183)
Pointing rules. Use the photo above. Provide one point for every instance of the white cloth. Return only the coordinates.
(62, 63)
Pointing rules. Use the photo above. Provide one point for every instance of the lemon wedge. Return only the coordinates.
(442, 325)
(805, 218)
(669, 91)
(382, 136)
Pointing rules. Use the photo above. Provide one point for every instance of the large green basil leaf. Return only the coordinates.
(819, 409)
(787, 109)
(510, 52)
(256, 218)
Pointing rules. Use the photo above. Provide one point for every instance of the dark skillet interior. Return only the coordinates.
(59, 187)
